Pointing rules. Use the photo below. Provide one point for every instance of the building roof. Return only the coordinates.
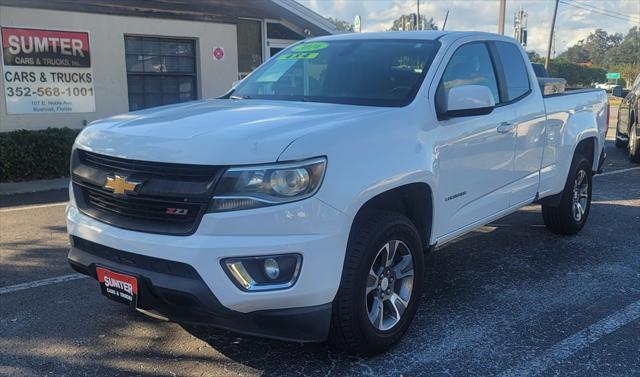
(222, 11)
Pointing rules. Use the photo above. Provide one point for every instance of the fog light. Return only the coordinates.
(262, 273)
(271, 268)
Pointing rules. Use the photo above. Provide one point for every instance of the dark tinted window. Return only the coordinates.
(363, 72)
(279, 31)
(469, 65)
(539, 70)
(249, 46)
(160, 71)
(515, 70)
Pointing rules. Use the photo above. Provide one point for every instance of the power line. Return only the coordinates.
(624, 18)
(605, 10)
(604, 13)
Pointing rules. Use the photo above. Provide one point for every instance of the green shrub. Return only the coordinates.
(577, 75)
(42, 154)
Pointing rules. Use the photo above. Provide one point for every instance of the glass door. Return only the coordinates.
(280, 36)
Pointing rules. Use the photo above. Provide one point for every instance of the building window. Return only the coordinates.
(249, 46)
(160, 71)
(279, 31)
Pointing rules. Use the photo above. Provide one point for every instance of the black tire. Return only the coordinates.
(620, 143)
(560, 219)
(351, 329)
(633, 146)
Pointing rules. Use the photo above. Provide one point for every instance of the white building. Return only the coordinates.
(67, 62)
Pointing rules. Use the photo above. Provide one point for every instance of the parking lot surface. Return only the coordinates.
(508, 299)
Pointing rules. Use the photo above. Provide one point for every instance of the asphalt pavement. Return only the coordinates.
(509, 299)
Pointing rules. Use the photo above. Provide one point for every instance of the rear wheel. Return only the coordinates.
(620, 142)
(381, 284)
(570, 216)
(633, 146)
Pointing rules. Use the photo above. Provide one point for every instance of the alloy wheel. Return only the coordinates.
(580, 195)
(389, 285)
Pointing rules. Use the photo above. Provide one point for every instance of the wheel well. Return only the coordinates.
(587, 148)
(413, 200)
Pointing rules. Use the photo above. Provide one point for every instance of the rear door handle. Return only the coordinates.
(505, 127)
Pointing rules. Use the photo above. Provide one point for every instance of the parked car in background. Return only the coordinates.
(627, 128)
(606, 86)
(299, 205)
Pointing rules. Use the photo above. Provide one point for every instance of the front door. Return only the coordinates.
(476, 157)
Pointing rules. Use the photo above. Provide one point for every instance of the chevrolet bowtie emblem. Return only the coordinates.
(119, 184)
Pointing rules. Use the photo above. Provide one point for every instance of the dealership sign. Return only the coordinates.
(47, 71)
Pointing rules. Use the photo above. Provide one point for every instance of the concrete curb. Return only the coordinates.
(11, 188)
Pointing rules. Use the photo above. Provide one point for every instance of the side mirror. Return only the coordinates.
(468, 100)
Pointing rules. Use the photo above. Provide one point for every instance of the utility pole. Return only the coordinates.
(520, 27)
(445, 20)
(553, 25)
(503, 6)
(418, 23)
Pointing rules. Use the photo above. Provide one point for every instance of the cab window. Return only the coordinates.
(515, 71)
(470, 65)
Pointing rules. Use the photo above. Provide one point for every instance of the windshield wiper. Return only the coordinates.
(240, 97)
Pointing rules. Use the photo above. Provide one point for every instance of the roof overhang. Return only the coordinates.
(221, 11)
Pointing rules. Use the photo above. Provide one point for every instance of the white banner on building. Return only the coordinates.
(47, 71)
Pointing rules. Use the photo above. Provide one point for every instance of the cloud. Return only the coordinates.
(572, 23)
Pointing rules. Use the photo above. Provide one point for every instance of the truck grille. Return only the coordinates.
(171, 198)
(141, 208)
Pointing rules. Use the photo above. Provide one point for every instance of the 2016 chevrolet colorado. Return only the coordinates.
(299, 205)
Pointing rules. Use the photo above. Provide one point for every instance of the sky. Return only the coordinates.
(576, 18)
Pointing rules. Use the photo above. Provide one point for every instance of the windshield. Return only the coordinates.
(360, 72)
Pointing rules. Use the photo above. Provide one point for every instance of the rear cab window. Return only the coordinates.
(516, 76)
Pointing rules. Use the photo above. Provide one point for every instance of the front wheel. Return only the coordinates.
(381, 284)
(570, 216)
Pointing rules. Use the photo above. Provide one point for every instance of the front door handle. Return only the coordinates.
(505, 127)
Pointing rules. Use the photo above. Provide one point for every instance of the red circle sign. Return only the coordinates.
(218, 53)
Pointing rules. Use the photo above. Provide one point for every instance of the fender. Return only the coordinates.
(565, 131)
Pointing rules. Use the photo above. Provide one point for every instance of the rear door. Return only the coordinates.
(476, 153)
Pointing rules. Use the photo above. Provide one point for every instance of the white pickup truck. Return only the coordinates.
(299, 205)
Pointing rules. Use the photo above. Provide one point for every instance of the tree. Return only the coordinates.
(577, 53)
(575, 74)
(534, 57)
(604, 50)
(340, 25)
(628, 52)
(407, 22)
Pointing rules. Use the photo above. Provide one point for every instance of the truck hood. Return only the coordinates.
(215, 132)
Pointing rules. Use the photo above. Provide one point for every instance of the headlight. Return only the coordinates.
(260, 186)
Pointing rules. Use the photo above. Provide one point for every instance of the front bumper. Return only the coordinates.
(174, 291)
(310, 228)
